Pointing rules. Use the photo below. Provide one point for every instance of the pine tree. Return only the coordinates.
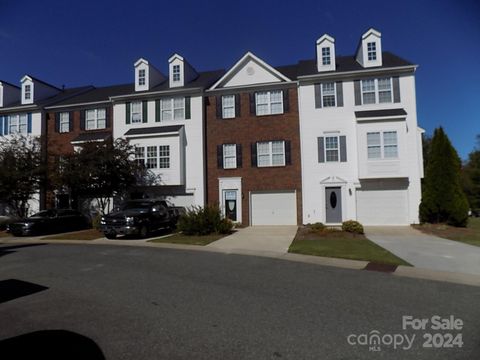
(443, 199)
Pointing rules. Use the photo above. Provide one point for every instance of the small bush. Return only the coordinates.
(96, 221)
(352, 226)
(317, 227)
(204, 221)
(225, 226)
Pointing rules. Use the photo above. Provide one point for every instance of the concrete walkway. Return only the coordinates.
(259, 239)
(426, 251)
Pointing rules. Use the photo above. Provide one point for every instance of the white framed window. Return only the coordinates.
(140, 155)
(269, 102)
(229, 156)
(332, 149)
(382, 145)
(176, 72)
(228, 106)
(64, 125)
(376, 91)
(271, 153)
(164, 156)
(136, 112)
(328, 94)
(152, 157)
(28, 92)
(95, 119)
(372, 51)
(141, 77)
(326, 56)
(17, 124)
(172, 108)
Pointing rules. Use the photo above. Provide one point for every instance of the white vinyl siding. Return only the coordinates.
(228, 106)
(95, 119)
(229, 156)
(376, 91)
(172, 108)
(64, 125)
(382, 145)
(269, 102)
(271, 153)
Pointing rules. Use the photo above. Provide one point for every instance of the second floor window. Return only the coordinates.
(331, 149)
(64, 125)
(229, 156)
(172, 108)
(176, 72)
(326, 56)
(95, 119)
(271, 153)
(377, 91)
(28, 92)
(164, 156)
(136, 112)
(382, 145)
(328, 94)
(269, 102)
(228, 106)
(141, 77)
(153, 157)
(372, 51)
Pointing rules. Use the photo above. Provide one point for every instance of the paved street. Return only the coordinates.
(150, 303)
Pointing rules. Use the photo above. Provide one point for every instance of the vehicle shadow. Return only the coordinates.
(151, 235)
(5, 250)
(11, 289)
(50, 344)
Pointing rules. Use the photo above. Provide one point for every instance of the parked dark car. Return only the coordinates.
(50, 222)
(140, 217)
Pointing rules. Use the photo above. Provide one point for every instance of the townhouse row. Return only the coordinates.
(328, 139)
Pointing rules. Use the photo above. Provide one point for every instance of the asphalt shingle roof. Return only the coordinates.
(380, 113)
(154, 130)
(93, 136)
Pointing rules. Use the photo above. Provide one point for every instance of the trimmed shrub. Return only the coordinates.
(204, 221)
(352, 226)
(225, 226)
(317, 227)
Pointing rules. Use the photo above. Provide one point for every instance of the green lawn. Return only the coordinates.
(339, 244)
(90, 234)
(189, 240)
(469, 235)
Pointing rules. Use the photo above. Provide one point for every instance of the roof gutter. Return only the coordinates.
(253, 86)
(74, 105)
(357, 72)
(154, 93)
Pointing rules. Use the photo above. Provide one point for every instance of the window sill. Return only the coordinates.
(271, 166)
(266, 115)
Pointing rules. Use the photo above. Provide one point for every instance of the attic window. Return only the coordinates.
(176, 73)
(371, 51)
(141, 77)
(326, 56)
(28, 92)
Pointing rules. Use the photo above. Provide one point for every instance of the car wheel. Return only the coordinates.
(144, 231)
(111, 236)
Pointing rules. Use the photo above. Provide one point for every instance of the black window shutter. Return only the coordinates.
(253, 148)
(218, 100)
(144, 111)
(239, 155)
(321, 150)
(188, 112)
(107, 118)
(127, 113)
(220, 156)
(318, 96)
(288, 153)
(339, 87)
(396, 89)
(82, 119)
(57, 122)
(358, 94)
(252, 104)
(70, 121)
(343, 148)
(237, 105)
(157, 110)
(286, 102)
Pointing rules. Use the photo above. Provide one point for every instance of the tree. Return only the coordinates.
(471, 177)
(100, 170)
(21, 172)
(443, 199)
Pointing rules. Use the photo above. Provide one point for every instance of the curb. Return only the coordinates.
(401, 270)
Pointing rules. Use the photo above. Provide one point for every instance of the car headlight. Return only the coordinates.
(102, 221)
(129, 220)
(27, 224)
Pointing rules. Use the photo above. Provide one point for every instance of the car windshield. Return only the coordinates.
(138, 205)
(45, 213)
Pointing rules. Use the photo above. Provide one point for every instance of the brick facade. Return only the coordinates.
(245, 130)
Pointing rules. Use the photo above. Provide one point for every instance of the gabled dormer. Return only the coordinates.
(34, 90)
(326, 53)
(8, 93)
(369, 51)
(180, 72)
(146, 75)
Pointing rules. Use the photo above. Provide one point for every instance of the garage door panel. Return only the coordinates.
(274, 208)
(382, 207)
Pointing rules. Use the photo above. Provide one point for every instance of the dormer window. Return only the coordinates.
(141, 77)
(372, 51)
(28, 92)
(176, 72)
(326, 56)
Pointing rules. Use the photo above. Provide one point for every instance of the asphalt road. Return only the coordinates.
(144, 303)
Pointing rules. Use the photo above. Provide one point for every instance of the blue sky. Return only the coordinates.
(96, 42)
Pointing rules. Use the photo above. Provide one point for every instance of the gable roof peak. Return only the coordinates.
(325, 37)
(371, 31)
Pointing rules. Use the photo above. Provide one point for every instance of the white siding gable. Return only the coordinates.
(326, 42)
(180, 72)
(372, 36)
(33, 90)
(152, 76)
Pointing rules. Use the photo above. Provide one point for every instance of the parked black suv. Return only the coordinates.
(140, 217)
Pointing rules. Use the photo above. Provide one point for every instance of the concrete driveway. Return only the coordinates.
(426, 251)
(257, 239)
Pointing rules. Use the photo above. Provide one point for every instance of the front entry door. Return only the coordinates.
(231, 204)
(333, 203)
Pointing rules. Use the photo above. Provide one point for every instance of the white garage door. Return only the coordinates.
(273, 208)
(382, 205)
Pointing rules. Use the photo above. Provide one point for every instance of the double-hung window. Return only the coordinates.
(382, 145)
(229, 156)
(368, 91)
(176, 72)
(18, 124)
(331, 149)
(95, 119)
(328, 94)
(136, 112)
(140, 155)
(372, 51)
(172, 108)
(269, 102)
(377, 91)
(152, 157)
(164, 156)
(64, 125)
(271, 153)
(326, 56)
(384, 90)
(141, 77)
(28, 92)
(228, 106)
